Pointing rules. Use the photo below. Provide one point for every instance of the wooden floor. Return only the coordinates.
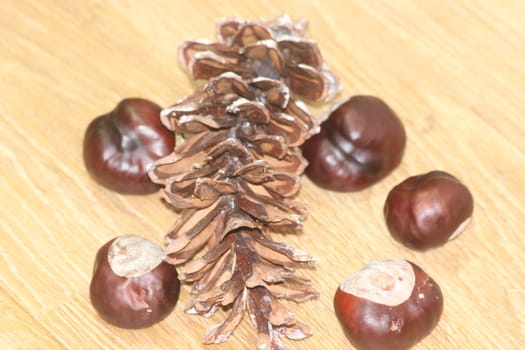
(453, 70)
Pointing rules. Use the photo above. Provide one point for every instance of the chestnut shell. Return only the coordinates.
(120, 146)
(425, 211)
(372, 326)
(360, 142)
(136, 302)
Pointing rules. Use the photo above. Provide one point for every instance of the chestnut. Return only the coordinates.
(132, 286)
(388, 305)
(119, 146)
(360, 142)
(427, 210)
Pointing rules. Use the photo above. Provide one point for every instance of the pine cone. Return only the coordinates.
(233, 177)
(274, 49)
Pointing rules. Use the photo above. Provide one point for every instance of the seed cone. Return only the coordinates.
(234, 177)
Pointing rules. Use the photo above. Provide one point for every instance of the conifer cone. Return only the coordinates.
(234, 176)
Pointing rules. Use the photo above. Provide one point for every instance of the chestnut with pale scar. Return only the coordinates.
(388, 305)
(132, 286)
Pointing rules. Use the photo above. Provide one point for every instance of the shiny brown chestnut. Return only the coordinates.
(119, 146)
(360, 142)
(388, 305)
(427, 210)
(132, 286)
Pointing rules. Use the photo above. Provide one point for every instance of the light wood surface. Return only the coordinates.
(453, 70)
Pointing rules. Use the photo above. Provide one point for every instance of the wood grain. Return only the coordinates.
(453, 70)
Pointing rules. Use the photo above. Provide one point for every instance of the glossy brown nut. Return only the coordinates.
(360, 143)
(120, 146)
(426, 211)
(388, 305)
(132, 286)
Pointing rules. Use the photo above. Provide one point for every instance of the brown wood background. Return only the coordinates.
(453, 70)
